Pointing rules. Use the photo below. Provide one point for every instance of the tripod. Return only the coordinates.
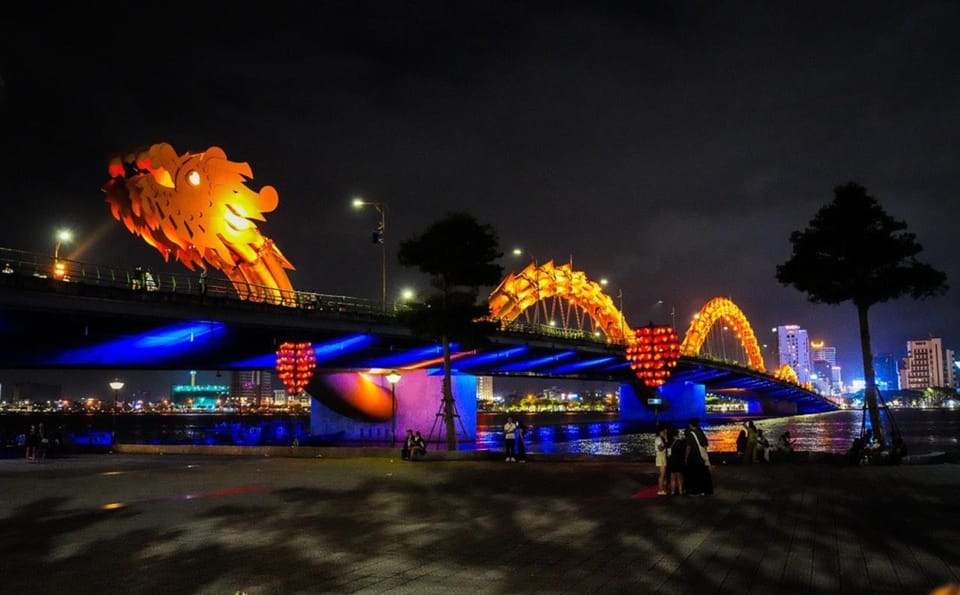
(894, 429)
(438, 419)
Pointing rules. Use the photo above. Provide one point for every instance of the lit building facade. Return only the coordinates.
(820, 351)
(485, 388)
(252, 386)
(927, 365)
(794, 349)
(885, 371)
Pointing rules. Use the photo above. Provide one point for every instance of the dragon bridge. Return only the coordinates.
(549, 295)
(721, 309)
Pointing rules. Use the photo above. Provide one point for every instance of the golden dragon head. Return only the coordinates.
(197, 207)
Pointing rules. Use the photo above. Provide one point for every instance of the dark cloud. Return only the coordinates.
(671, 146)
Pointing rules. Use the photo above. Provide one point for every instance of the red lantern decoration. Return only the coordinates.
(295, 364)
(654, 353)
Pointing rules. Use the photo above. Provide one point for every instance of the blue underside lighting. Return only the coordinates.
(536, 363)
(489, 358)
(325, 352)
(576, 366)
(152, 346)
(408, 358)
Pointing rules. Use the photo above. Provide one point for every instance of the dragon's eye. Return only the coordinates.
(193, 176)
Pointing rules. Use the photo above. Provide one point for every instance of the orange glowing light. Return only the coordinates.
(523, 290)
(295, 365)
(720, 308)
(787, 374)
(654, 353)
(198, 208)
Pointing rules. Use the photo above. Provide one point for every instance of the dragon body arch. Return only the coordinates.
(720, 308)
(533, 284)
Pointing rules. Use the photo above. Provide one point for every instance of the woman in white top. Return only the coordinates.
(510, 439)
(660, 444)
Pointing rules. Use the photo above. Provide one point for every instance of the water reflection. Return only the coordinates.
(924, 430)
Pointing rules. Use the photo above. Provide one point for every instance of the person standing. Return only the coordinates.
(750, 452)
(660, 453)
(676, 453)
(510, 439)
(521, 438)
(203, 282)
(696, 462)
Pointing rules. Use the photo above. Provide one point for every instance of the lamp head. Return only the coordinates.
(116, 384)
(393, 377)
(358, 202)
(64, 235)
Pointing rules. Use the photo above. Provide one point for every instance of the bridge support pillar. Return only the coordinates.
(679, 401)
(419, 395)
(777, 407)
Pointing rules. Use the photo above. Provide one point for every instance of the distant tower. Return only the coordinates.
(794, 349)
(820, 351)
(823, 360)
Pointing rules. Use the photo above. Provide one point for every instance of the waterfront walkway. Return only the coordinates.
(199, 524)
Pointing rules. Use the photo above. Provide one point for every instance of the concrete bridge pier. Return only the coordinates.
(338, 400)
(678, 402)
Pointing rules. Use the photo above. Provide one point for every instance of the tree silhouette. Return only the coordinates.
(458, 254)
(852, 250)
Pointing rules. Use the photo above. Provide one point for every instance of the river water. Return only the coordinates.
(924, 430)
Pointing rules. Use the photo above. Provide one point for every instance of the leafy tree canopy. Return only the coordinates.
(852, 250)
(456, 251)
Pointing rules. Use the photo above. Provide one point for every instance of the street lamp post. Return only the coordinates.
(393, 378)
(116, 385)
(63, 235)
(379, 237)
(59, 269)
(536, 281)
(604, 283)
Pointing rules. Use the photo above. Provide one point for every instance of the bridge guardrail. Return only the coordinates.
(18, 263)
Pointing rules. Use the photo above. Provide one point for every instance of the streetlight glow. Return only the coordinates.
(407, 294)
(393, 378)
(116, 384)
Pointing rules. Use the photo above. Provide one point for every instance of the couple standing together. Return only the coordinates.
(514, 433)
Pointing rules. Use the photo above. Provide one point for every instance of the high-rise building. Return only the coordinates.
(950, 369)
(253, 386)
(885, 372)
(822, 376)
(794, 349)
(485, 388)
(836, 380)
(927, 365)
(820, 351)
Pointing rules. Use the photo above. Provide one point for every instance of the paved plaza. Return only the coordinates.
(200, 524)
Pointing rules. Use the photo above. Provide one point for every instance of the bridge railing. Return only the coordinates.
(18, 263)
(548, 330)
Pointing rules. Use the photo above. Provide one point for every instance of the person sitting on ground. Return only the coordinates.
(419, 448)
(785, 446)
(407, 444)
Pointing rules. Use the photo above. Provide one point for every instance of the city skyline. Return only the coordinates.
(668, 148)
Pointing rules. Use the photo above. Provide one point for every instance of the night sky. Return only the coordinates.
(670, 147)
